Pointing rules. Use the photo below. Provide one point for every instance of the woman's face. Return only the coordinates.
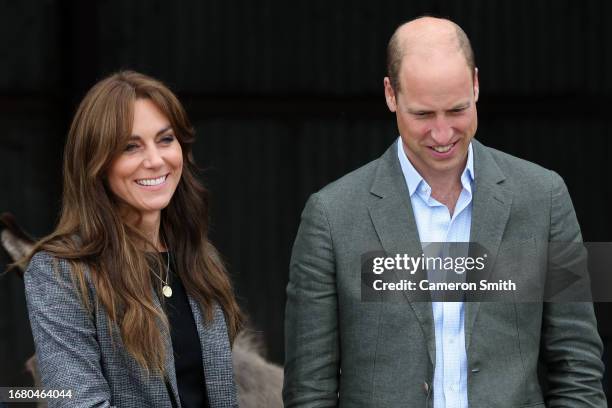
(147, 172)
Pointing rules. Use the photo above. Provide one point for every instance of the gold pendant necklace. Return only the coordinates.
(166, 289)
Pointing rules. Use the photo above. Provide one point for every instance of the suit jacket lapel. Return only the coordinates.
(491, 205)
(393, 219)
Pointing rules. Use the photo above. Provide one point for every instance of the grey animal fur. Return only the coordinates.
(258, 381)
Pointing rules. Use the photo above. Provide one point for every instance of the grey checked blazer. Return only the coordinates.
(75, 350)
(341, 351)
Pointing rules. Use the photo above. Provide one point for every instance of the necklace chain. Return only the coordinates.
(166, 289)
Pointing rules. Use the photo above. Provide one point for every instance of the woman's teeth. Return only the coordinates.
(152, 182)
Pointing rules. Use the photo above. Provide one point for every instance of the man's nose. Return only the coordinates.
(442, 131)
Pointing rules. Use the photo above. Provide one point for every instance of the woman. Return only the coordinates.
(129, 302)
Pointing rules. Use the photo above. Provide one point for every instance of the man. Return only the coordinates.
(435, 184)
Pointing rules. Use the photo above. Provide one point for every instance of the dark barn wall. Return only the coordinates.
(286, 97)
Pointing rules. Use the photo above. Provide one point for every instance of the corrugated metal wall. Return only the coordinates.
(286, 97)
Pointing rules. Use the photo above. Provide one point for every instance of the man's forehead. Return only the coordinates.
(428, 33)
(440, 80)
(439, 63)
(428, 58)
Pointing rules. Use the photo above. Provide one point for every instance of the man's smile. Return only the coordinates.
(442, 149)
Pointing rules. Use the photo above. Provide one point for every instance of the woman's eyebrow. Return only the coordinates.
(159, 132)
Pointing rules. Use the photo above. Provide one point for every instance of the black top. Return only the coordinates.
(185, 343)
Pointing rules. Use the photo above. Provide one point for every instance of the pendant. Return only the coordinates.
(167, 291)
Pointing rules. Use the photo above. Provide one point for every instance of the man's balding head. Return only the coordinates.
(425, 37)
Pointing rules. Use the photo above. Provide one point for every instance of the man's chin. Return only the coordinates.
(446, 165)
(455, 162)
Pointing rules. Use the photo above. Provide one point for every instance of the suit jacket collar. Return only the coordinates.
(394, 221)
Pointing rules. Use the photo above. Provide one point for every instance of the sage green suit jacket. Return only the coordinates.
(341, 351)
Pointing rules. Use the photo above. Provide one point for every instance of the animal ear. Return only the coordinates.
(14, 246)
(9, 222)
(13, 239)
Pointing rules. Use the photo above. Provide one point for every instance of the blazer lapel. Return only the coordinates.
(394, 222)
(491, 204)
(170, 379)
(216, 357)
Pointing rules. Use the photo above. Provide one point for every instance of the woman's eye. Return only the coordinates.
(168, 139)
(130, 147)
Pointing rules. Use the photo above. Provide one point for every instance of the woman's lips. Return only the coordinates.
(152, 183)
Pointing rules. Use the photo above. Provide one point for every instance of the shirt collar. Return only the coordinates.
(414, 180)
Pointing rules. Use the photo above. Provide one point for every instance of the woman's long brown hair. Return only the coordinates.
(92, 236)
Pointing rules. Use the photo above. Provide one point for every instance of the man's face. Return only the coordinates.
(436, 111)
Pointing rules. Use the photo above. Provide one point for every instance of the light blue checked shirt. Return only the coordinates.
(436, 225)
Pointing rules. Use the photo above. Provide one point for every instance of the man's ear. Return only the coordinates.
(476, 86)
(390, 95)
